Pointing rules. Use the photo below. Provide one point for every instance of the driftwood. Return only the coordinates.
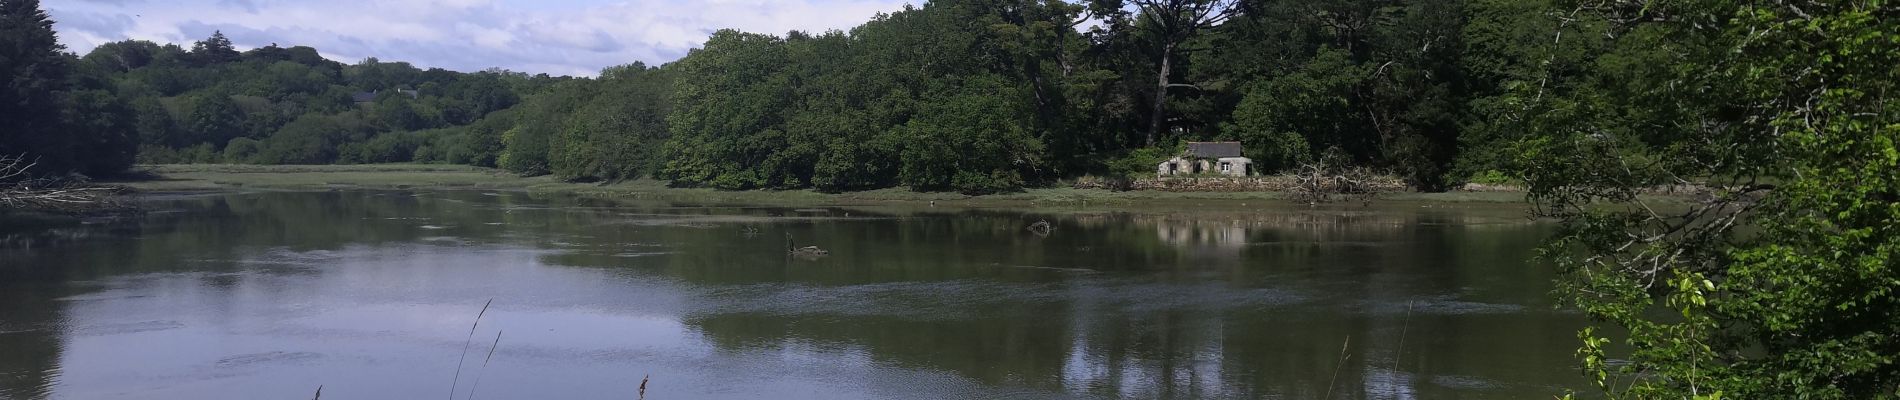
(1330, 179)
(21, 190)
(807, 252)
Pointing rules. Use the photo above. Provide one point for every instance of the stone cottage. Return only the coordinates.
(1211, 158)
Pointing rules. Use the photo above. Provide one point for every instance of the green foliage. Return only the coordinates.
(214, 118)
(527, 145)
(726, 128)
(391, 147)
(972, 140)
(32, 71)
(1280, 120)
(153, 122)
(58, 113)
(616, 134)
(1491, 177)
(850, 111)
(199, 154)
(1143, 162)
(100, 129)
(216, 49)
(169, 103)
(479, 144)
(397, 112)
(312, 139)
(1784, 283)
(242, 150)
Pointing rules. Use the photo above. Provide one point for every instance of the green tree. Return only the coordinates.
(617, 134)
(312, 139)
(397, 112)
(479, 143)
(972, 141)
(1785, 281)
(214, 50)
(527, 144)
(1281, 120)
(1170, 24)
(124, 56)
(154, 123)
(241, 150)
(33, 72)
(99, 124)
(214, 118)
(728, 123)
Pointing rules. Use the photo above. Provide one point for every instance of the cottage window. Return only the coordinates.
(1226, 167)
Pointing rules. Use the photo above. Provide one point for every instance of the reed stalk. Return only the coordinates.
(1403, 327)
(1342, 365)
(465, 343)
(484, 369)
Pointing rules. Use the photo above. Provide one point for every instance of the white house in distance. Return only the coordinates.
(1216, 158)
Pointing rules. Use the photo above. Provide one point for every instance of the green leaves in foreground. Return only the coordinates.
(1782, 281)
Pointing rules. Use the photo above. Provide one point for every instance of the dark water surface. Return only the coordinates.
(371, 294)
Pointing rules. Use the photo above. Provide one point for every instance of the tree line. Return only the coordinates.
(975, 96)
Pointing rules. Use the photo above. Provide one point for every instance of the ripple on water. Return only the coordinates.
(920, 300)
(266, 358)
(1445, 305)
(959, 299)
(1464, 382)
(127, 328)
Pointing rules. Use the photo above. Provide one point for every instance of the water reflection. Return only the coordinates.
(369, 294)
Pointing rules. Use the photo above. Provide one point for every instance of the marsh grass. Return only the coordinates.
(1343, 357)
(217, 177)
(484, 369)
(465, 343)
(1404, 326)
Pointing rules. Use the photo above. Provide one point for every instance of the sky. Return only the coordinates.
(557, 37)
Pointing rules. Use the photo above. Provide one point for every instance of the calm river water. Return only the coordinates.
(371, 295)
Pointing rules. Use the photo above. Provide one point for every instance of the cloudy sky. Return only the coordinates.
(561, 37)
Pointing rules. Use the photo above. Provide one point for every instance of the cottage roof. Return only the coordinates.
(1213, 149)
(363, 97)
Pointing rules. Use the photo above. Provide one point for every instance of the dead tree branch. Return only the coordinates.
(21, 190)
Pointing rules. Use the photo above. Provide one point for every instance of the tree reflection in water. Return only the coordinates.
(911, 302)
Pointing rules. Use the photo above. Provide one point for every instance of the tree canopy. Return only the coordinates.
(1779, 282)
(1088, 88)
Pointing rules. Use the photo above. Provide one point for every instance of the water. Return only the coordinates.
(371, 295)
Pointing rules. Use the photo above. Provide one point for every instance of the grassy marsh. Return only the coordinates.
(214, 177)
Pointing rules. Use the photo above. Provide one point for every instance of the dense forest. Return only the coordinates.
(966, 95)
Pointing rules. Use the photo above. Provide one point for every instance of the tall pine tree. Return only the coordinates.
(33, 70)
(216, 49)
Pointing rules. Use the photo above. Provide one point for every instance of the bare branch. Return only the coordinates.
(20, 190)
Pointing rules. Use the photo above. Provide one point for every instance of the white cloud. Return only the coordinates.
(572, 37)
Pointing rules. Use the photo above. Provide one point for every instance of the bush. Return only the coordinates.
(241, 150)
(203, 153)
(1492, 177)
(972, 142)
(1142, 162)
(385, 148)
(311, 139)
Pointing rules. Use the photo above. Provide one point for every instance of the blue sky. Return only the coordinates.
(561, 37)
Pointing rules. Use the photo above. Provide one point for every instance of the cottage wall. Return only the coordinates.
(1236, 167)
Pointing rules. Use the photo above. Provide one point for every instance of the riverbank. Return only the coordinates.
(224, 178)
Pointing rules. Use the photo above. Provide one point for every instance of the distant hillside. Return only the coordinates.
(278, 105)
